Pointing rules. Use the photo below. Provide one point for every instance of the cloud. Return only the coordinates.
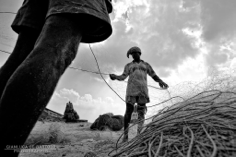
(159, 28)
(218, 19)
(69, 94)
(161, 36)
(156, 27)
(217, 22)
(186, 73)
(87, 98)
(109, 100)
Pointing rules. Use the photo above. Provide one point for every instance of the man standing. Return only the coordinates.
(137, 90)
(50, 32)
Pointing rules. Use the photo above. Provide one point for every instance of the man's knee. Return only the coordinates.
(63, 21)
(129, 108)
(142, 108)
(61, 31)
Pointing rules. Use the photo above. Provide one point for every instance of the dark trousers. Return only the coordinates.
(141, 109)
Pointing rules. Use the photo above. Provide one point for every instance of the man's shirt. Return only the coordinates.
(92, 16)
(137, 82)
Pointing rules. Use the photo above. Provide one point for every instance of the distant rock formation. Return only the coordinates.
(108, 121)
(110, 114)
(70, 115)
(50, 116)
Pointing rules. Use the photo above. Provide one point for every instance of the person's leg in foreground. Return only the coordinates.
(24, 46)
(31, 86)
(28, 23)
(127, 118)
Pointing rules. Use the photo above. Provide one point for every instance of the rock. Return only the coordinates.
(110, 114)
(110, 121)
(70, 115)
(117, 122)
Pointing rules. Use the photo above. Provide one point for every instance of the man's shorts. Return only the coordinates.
(91, 15)
(137, 99)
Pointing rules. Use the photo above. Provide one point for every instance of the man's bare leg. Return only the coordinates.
(24, 45)
(31, 86)
(127, 118)
(141, 116)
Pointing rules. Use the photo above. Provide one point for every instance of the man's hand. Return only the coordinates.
(163, 85)
(112, 76)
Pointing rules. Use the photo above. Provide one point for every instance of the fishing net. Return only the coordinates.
(203, 125)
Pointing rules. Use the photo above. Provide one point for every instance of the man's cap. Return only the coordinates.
(132, 50)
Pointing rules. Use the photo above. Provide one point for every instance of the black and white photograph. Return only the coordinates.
(118, 78)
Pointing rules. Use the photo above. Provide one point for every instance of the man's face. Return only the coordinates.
(136, 55)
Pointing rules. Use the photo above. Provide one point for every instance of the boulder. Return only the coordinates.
(108, 121)
(110, 114)
(70, 115)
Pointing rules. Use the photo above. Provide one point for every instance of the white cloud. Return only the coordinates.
(217, 20)
(155, 26)
(123, 8)
(87, 98)
(170, 32)
(109, 100)
(191, 70)
(70, 93)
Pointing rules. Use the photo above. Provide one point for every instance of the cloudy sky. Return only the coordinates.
(183, 40)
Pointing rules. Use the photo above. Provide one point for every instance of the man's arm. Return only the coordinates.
(161, 83)
(152, 73)
(156, 78)
(120, 77)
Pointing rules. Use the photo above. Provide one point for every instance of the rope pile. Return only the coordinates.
(202, 126)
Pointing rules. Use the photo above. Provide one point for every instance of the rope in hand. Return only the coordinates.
(100, 73)
(126, 81)
(97, 72)
(7, 12)
(5, 52)
(102, 76)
